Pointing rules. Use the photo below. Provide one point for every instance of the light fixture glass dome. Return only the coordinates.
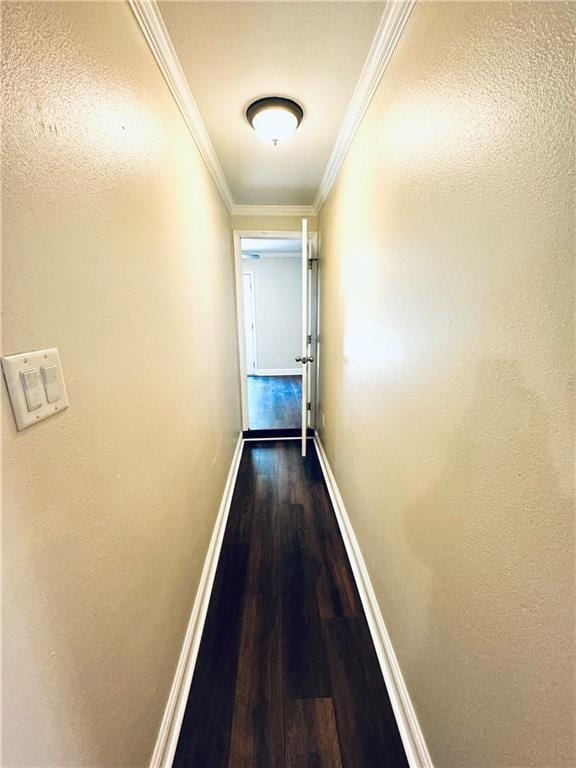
(274, 118)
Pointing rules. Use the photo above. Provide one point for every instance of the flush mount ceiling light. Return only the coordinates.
(274, 118)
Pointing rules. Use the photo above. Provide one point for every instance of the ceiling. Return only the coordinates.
(235, 52)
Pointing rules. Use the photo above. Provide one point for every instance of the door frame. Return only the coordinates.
(237, 234)
(252, 312)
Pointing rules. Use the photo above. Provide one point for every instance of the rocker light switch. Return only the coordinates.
(32, 388)
(50, 379)
(36, 386)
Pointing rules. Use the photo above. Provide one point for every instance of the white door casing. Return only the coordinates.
(249, 323)
(309, 306)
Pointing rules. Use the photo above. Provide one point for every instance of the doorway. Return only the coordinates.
(275, 301)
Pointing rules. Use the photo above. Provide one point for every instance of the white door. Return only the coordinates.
(313, 320)
(305, 359)
(309, 356)
(249, 322)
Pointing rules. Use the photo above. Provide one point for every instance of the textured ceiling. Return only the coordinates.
(234, 52)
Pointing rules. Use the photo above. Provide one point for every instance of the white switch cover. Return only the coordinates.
(36, 386)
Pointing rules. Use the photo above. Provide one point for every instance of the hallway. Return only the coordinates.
(211, 212)
(287, 676)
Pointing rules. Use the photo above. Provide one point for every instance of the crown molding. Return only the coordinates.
(150, 21)
(273, 210)
(394, 18)
(387, 35)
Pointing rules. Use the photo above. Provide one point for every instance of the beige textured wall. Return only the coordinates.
(447, 258)
(273, 223)
(117, 249)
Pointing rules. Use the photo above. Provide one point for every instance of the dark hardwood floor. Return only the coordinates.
(274, 402)
(287, 675)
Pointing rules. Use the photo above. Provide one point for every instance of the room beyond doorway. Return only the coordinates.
(269, 271)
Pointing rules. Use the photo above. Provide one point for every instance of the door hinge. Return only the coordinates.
(308, 406)
(309, 338)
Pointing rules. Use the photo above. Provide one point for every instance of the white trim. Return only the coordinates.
(279, 371)
(305, 330)
(238, 270)
(154, 30)
(410, 732)
(169, 732)
(314, 322)
(389, 30)
(252, 308)
(269, 439)
(270, 234)
(273, 210)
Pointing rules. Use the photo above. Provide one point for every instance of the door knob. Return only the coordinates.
(298, 359)
(304, 359)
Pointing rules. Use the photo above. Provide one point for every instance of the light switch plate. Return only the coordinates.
(16, 365)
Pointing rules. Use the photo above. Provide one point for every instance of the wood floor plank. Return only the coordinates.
(257, 737)
(367, 729)
(205, 733)
(311, 734)
(265, 458)
(337, 592)
(305, 660)
(240, 516)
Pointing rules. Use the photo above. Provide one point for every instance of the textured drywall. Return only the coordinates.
(117, 249)
(273, 223)
(447, 252)
(277, 286)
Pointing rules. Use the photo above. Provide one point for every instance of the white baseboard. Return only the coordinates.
(410, 732)
(278, 371)
(165, 747)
